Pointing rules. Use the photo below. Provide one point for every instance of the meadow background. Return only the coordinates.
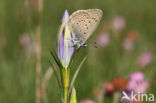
(131, 20)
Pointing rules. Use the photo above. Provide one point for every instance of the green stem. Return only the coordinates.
(65, 94)
(65, 83)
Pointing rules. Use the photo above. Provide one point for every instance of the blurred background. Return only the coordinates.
(123, 60)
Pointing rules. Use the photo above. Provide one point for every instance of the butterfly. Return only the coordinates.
(82, 25)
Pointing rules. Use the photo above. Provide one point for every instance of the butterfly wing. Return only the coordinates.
(83, 23)
(95, 15)
(78, 21)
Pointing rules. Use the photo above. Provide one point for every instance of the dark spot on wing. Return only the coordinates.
(94, 19)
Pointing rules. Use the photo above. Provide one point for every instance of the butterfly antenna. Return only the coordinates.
(93, 44)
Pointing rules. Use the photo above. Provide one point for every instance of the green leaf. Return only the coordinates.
(74, 77)
(57, 60)
(59, 82)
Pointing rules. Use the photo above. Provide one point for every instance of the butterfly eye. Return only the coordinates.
(85, 44)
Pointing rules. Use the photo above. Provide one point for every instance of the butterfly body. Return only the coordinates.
(82, 24)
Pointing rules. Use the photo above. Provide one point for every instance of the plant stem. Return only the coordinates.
(38, 66)
(65, 94)
(116, 97)
(38, 54)
(65, 83)
(44, 84)
(101, 97)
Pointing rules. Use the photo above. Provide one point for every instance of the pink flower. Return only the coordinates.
(137, 76)
(127, 44)
(118, 23)
(103, 39)
(26, 43)
(25, 40)
(108, 88)
(145, 59)
(87, 101)
(35, 3)
(130, 40)
(137, 83)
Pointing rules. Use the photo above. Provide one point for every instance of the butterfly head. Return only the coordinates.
(79, 43)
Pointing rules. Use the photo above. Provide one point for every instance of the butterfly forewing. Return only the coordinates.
(95, 15)
(83, 23)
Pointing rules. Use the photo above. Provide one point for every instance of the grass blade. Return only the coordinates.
(59, 83)
(57, 60)
(74, 77)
